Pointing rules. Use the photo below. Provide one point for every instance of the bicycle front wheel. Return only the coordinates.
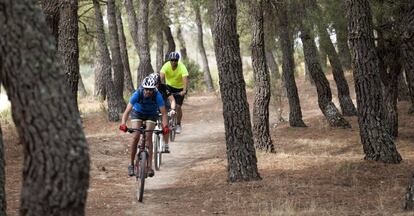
(157, 151)
(142, 175)
(173, 125)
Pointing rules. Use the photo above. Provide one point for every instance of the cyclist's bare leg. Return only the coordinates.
(148, 140)
(135, 140)
(179, 113)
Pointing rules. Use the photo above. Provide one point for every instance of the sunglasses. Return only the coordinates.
(149, 89)
(174, 60)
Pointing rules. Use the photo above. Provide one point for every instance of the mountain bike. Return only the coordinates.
(141, 159)
(172, 123)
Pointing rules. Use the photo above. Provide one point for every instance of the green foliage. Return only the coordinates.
(86, 24)
(195, 75)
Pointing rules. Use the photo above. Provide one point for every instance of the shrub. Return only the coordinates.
(195, 75)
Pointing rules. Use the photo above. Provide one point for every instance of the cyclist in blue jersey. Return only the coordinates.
(143, 106)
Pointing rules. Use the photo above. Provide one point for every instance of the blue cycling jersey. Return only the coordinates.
(147, 105)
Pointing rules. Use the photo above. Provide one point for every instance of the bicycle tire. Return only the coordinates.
(173, 125)
(160, 149)
(156, 151)
(141, 180)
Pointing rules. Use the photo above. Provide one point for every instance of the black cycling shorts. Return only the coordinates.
(178, 98)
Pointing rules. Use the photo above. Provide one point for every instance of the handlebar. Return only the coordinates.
(143, 130)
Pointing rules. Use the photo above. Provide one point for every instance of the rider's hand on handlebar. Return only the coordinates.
(123, 127)
(172, 112)
(165, 130)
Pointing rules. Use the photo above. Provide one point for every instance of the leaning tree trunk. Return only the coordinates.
(56, 161)
(81, 88)
(345, 101)
(200, 42)
(241, 154)
(407, 54)
(377, 143)
(144, 67)
(288, 66)
(170, 39)
(128, 84)
(310, 52)
(3, 204)
(180, 38)
(104, 64)
(261, 132)
(274, 68)
(116, 63)
(132, 23)
(339, 24)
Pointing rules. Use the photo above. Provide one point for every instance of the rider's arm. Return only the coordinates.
(162, 76)
(126, 113)
(164, 116)
(185, 81)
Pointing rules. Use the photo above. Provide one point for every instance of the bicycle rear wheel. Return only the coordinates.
(173, 125)
(142, 175)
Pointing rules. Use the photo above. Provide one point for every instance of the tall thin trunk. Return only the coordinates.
(3, 204)
(261, 133)
(116, 63)
(99, 82)
(310, 51)
(170, 39)
(200, 42)
(180, 38)
(104, 64)
(158, 8)
(376, 141)
(345, 101)
(403, 92)
(160, 51)
(274, 68)
(128, 84)
(144, 67)
(407, 54)
(288, 66)
(81, 88)
(241, 154)
(56, 161)
(339, 24)
(132, 23)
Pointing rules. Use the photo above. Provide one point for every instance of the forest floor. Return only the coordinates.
(317, 170)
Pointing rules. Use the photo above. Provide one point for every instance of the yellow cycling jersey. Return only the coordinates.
(174, 78)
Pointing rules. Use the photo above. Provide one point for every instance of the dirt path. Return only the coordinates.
(113, 193)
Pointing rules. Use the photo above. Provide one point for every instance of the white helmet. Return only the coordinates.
(156, 77)
(148, 82)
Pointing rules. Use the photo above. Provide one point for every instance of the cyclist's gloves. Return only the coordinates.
(123, 127)
(165, 130)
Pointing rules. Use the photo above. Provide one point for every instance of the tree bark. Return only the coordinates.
(345, 101)
(104, 64)
(81, 88)
(409, 195)
(56, 161)
(132, 23)
(180, 38)
(128, 84)
(241, 154)
(170, 39)
(403, 93)
(3, 204)
(288, 66)
(200, 42)
(116, 63)
(144, 67)
(339, 24)
(328, 108)
(261, 132)
(159, 14)
(407, 54)
(376, 141)
(99, 85)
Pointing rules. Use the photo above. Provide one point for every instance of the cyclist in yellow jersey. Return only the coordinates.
(175, 75)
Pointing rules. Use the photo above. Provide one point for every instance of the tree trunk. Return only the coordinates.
(288, 66)
(261, 133)
(403, 93)
(3, 204)
(241, 154)
(339, 24)
(117, 65)
(81, 88)
(323, 61)
(180, 38)
(345, 101)
(159, 14)
(200, 42)
(99, 85)
(274, 68)
(128, 84)
(104, 64)
(132, 23)
(144, 67)
(170, 39)
(409, 195)
(51, 11)
(407, 54)
(376, 141)
(56, 161)
(310, 51)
